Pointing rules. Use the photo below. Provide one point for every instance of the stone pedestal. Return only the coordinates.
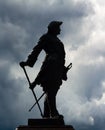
(45, 124)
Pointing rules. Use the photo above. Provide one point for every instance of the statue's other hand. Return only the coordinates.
(32, 86)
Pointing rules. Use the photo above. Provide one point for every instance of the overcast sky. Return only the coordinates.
(82, 98)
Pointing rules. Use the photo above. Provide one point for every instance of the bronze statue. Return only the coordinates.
(52, 71)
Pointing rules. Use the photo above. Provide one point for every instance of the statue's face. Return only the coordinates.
(58, 30)
(55, 30)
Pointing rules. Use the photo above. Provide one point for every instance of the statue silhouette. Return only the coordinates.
(52, 70)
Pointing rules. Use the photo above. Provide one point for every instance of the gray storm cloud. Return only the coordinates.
(82, 98)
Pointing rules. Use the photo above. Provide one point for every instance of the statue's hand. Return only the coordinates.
(22, 64)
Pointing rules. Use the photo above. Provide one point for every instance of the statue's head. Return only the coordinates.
(54, 27)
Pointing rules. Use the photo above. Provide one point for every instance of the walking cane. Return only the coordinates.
(36, 102)
(33, 91)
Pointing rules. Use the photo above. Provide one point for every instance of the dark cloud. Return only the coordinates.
(14, 100)
(9, 89)
(21, 20)
(22, 23)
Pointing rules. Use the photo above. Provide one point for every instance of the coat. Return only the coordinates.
(52, 68)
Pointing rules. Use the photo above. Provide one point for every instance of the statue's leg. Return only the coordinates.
(46, 108)
(51, 96)
(50, 109)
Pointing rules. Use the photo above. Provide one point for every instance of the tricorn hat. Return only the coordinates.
(54, 24)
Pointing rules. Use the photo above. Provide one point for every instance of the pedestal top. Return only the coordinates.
(46, 122)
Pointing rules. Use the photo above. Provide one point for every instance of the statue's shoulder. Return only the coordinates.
(44, 37)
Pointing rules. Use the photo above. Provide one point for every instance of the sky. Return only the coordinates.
(81, 99)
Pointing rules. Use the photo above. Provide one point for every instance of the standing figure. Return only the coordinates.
(52, 70)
